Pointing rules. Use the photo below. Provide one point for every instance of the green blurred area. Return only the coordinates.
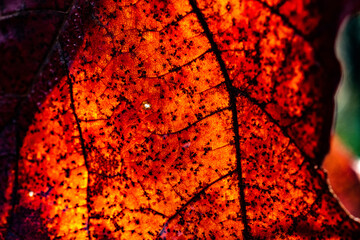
(348, 95)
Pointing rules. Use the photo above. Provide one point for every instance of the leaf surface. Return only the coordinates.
(182, 120)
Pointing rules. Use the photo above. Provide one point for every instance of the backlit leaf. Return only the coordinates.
(176, 120)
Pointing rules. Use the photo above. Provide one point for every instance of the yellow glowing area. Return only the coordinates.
(146, 105)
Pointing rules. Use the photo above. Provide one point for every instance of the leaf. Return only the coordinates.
(340, 165)
(179, 120)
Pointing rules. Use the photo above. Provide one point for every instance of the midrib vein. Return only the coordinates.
(233, 107)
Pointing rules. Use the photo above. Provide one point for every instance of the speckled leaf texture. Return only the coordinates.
(168, 119)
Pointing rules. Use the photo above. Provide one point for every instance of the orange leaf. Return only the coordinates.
(181, 120)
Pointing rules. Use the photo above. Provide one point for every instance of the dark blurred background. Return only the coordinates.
(348, 95)
(343, 161)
